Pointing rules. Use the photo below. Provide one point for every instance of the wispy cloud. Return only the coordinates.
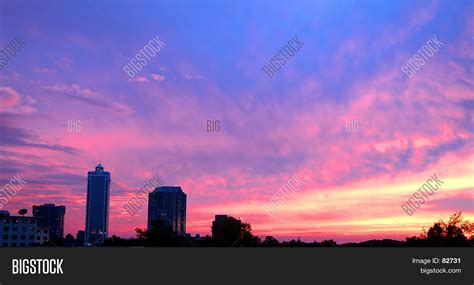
(10, 75)
(64, 63)
(90, 97)
(11, 136)
(192, 77)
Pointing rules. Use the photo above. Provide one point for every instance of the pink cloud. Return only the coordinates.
(11, 101)
(9, 97)
(158, 77)
(42, 70)
(139, 79)
(64, 63)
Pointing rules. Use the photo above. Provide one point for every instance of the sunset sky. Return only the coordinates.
(270, 128)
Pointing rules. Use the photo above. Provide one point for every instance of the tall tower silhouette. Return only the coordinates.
(97, 213)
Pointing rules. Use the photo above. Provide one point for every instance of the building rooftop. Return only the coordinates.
(99, 170)
(168, 189)
(220, 218)
(48, 205)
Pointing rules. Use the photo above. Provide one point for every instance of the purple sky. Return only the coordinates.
(349, 69)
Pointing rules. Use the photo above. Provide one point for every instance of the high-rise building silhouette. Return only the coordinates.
(97, 213)
(168, 203)
(52, 217)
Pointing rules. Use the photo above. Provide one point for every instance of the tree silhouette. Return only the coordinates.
(270, 241)
(455, 232)
(248, 239)
(117, 241)
(159, 234)
(328, 243)
(69, 241)
(232, 232)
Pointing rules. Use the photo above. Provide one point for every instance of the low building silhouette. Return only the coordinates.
(17, 231)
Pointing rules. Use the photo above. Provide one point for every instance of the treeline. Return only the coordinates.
(235, 233)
